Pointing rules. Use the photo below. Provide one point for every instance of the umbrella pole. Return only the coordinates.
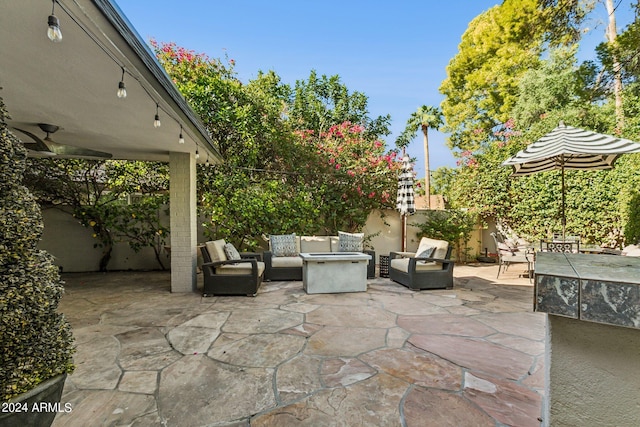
(564, 218)
(403, 245)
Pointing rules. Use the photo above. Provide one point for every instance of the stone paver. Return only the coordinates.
(476, 354)
(472, 355)
(437, 408)
(508, 402)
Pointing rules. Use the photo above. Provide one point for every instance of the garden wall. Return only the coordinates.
(72, 244)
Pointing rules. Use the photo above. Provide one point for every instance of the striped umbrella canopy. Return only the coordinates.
(405, 200)
(567, 147)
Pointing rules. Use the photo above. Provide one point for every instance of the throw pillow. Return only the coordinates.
(426, 252)
(231, 251)
(351, 242)
(284, 245)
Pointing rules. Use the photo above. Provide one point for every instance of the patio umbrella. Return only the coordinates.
(567, 147)
(405, 201)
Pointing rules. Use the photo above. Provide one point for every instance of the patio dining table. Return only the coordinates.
(598, 250)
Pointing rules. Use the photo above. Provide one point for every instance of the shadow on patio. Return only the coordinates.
(390, 356)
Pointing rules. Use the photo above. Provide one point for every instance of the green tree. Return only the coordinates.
(98, 191)
(481, 87)
(278, 144)
(215, 93)
(555, 85)
(321, 102)
(242, 205)
(497, 49)
(422, 119)
(352, 175)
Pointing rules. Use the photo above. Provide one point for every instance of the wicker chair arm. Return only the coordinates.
(393, 255)
(249, 255)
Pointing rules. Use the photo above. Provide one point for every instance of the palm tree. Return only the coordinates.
(424, 118)
(611, 34)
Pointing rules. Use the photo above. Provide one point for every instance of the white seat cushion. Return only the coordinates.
(314, 244)
(402, 264)
(239, 268)
(216, 250)
(335, 243)
(286, 261)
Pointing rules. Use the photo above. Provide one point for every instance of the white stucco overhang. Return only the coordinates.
(73, 85)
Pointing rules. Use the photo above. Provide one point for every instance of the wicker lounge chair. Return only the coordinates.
(223, 276)
(417, 272)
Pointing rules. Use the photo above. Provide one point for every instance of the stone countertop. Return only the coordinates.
(596, 288)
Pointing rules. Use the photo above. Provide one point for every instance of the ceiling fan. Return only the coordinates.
(48, 147)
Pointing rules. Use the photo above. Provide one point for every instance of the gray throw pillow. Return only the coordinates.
(351, 242)
(426, 252)
(231, 252)
(284, 245)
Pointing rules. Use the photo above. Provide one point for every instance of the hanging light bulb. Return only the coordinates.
(156, 121)
(181, 138)
(122, 90)
(197, 154)
(53, 32)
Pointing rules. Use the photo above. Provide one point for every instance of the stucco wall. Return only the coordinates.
(72, 245)
(593, 378)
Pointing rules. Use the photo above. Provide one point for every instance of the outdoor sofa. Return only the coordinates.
(282, 260)
(430, 267)
(227, 272)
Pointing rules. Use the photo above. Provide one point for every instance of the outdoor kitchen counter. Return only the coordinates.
(592, 368)
(595, 288)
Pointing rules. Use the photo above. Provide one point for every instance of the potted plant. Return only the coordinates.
(36, 344)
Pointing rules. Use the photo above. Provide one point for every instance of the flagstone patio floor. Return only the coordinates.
(470, 356)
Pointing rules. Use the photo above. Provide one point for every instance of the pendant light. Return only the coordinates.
(122, 90)
(156, 121)
(53, 32)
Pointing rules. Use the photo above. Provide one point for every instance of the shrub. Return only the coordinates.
(632, 229)
(36, 341)
(454, 226)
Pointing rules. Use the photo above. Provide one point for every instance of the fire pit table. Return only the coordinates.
(334, 272)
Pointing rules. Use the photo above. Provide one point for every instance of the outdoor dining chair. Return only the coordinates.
(508, 255)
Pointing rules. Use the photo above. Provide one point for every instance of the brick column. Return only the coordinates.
(183, 221)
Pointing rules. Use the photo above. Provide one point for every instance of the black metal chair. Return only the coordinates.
(569, 245)
(512, 255)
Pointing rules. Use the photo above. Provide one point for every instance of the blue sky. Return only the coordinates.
(395, 53)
